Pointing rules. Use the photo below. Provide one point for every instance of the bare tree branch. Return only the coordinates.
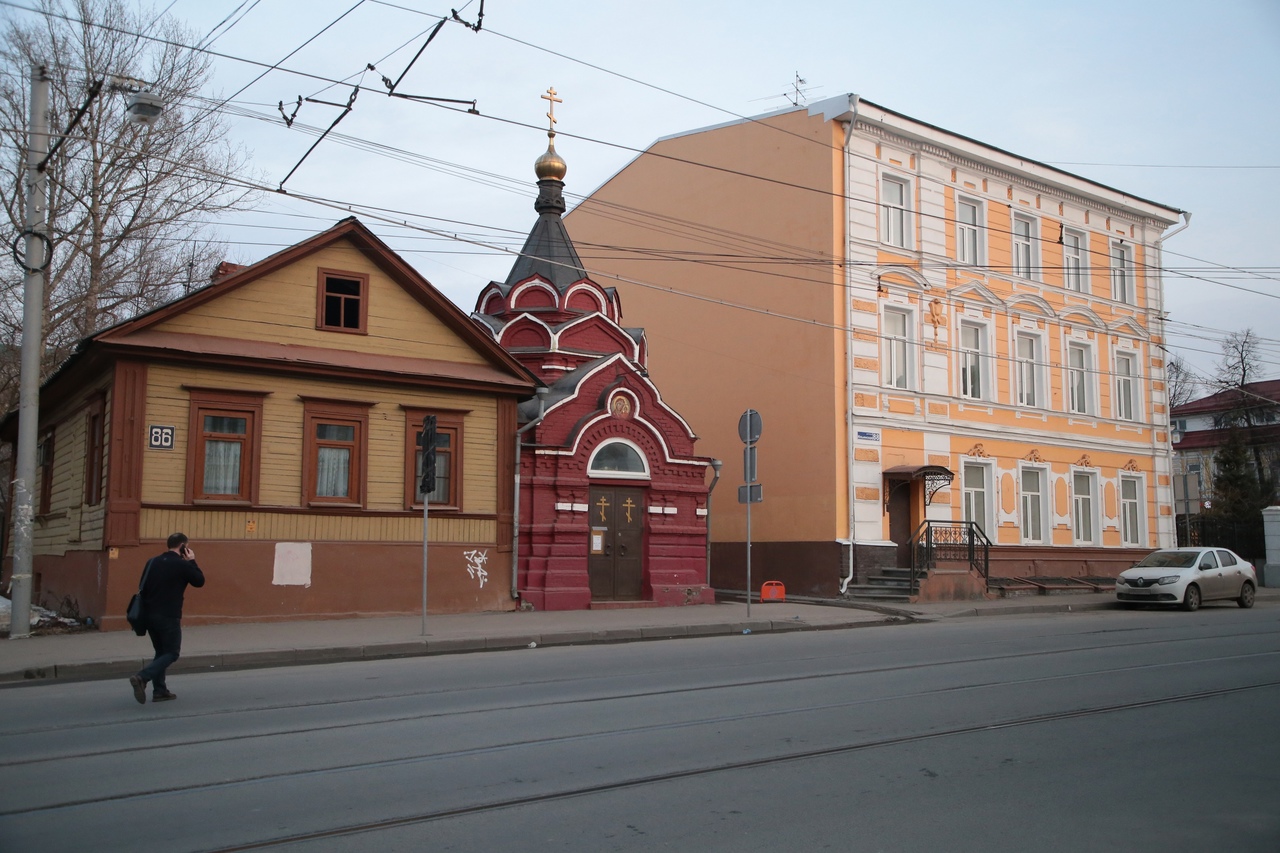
(127, 204)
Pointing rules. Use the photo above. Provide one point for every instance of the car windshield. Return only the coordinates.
(1168, 559)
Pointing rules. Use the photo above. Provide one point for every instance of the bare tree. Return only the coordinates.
(1183, 384)
(1239, 367)
(128, 206)
(1240, 363)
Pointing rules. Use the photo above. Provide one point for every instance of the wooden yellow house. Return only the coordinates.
(274, 418)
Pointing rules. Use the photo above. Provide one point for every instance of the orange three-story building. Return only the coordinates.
(941, 336)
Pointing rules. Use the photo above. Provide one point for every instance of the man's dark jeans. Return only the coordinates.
(166, 639)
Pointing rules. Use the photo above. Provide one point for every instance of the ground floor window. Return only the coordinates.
(975, 494)
(1083, 503)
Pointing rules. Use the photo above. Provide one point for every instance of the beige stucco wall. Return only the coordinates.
(776, 192)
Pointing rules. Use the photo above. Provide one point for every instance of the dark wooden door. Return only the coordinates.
(900, 520)
(616, 543)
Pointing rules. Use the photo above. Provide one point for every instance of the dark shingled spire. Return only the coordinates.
(548, 252)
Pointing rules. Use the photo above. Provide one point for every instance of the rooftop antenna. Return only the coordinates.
(798, 96)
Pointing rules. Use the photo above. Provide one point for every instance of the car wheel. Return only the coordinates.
(1191, 598)
(1246, 596)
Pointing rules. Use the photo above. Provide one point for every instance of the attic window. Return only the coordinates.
(342, 302)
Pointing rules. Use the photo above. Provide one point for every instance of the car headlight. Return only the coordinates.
(1168, 579)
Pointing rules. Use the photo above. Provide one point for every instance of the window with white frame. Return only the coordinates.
(1083, 506)
(975, 494)
(894, 194)
(1125, 386)
(1131, 511)
(1122, 282)
(897, 348)
(968, 231)
(1079, 368)
(1023, 245)
(972, 361)
(1032, 487)
(1074, 268)
(1027, 367)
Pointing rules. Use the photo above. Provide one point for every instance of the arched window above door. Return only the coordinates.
(618, 458)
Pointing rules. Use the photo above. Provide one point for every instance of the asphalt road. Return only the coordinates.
(1126, 731)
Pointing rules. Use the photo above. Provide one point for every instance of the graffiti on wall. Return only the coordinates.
(476, 561)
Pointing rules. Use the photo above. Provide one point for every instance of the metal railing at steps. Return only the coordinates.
(949, 542)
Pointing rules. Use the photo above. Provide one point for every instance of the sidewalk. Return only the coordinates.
(95, 655)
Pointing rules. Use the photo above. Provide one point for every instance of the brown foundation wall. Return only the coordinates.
(804, 568)
(1024, 562)
(346, 580)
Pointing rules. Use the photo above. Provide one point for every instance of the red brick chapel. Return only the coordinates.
(612, 498)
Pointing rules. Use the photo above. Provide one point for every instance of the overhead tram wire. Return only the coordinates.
(806, 139)
(403, 213)
(874, 204)
(1145, 266)
(800, 278)
(401, 219)
(583, 138)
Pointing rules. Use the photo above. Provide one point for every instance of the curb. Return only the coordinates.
(231, 661)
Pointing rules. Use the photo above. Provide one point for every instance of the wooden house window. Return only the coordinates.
(447, 493)
(45, 455)
(224, 448)
(94, 452)
(335, 447)
(342, 302)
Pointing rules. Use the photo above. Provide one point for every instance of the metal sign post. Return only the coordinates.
(749, 427)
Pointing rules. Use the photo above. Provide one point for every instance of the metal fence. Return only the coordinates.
(1207, 530)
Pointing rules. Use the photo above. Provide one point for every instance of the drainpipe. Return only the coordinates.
(515, 510)
(850, 435)
(716, 465)
(1159, 314)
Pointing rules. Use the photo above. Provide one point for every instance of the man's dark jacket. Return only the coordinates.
(168, 580)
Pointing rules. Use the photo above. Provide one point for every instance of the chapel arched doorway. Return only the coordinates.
(617, 510)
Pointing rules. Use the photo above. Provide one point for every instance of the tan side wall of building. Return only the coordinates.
(734, 350)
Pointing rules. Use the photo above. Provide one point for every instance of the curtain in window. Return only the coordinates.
(221, 467)
(333, 472)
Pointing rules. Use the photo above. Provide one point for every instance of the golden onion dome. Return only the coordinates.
(550, 166)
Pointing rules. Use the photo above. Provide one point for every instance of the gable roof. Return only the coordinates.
(376, 251)
(142, 336)
(1231, 398)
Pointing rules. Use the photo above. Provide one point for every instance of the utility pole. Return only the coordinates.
(37, 260)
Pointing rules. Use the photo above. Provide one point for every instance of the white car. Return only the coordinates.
(1188, 576)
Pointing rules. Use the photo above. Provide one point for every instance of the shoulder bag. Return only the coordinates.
(135, 612)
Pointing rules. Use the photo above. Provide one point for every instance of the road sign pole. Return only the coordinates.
(750, 426)
(748, 550)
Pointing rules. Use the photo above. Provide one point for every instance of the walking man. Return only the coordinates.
(166, 584)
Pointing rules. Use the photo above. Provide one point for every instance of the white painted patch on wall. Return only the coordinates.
(293, 564)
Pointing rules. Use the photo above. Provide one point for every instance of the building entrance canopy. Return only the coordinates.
(934, 476)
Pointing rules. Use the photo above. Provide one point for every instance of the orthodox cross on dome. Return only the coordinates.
(552, 100)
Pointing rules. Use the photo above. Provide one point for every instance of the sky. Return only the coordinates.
(1172, 101)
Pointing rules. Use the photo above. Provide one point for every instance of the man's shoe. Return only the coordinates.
(139, 688)
(163, 697)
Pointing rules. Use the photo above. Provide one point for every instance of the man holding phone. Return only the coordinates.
(166, 583)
